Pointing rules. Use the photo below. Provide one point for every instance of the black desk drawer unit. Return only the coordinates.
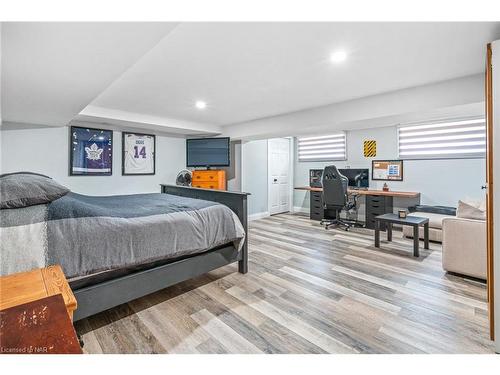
(377, 205)
(316, 204)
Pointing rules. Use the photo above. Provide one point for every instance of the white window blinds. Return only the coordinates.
(322, 148)
(443, 140)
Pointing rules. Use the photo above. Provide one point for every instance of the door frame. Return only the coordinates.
(290, 174)
(489, 190)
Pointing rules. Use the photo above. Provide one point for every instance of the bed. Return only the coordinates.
(118, 248)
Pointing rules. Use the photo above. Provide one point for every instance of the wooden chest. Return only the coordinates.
(38, 327)
(24, 287)
(212, 179)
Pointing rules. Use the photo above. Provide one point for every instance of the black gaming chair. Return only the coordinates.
(335, 198)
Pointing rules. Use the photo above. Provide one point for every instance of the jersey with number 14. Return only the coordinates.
(139, 156)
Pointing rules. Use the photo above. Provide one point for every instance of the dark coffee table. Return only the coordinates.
(414, 221)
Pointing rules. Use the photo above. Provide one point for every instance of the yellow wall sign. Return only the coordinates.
(370, 149)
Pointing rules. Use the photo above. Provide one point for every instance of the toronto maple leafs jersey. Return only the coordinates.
(91, 151)
(139, 154)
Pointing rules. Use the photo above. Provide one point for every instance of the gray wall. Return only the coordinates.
(441, 182)
(45, 150)
(233, 172)
(254, 175)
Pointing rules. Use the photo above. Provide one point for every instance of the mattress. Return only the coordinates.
(89, 235)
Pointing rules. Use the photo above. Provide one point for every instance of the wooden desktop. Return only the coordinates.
(378, 202)
(389, 193)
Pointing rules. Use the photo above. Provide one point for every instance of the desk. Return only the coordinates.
(390, 193)
(378, 202)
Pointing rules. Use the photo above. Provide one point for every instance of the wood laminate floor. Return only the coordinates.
(308, 291)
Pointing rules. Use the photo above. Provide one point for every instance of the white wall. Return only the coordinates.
(441, 182)
(45, 150)
(254, 175)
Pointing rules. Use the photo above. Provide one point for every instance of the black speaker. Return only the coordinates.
(315, 176)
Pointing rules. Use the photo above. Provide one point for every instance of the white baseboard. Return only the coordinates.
(258, 215)
(302, 210)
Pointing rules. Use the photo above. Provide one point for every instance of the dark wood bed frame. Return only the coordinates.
(105, 295)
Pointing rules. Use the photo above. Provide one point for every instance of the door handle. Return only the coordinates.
(484, 187)
(275, 180)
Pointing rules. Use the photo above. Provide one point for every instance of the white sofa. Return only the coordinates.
(464, 246)
(463, 237)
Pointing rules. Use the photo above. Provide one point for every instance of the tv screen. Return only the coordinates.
(207, 152)
(358, 178)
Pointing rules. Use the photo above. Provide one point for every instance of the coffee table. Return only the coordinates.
(413, 221)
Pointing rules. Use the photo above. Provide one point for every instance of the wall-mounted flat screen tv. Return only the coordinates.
(207, 152)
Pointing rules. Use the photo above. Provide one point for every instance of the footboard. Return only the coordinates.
(236, 201)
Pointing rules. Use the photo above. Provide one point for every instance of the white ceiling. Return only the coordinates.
(51, 71)
(252, 70)
(243, 71)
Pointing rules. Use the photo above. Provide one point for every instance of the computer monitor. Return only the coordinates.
(358, 178)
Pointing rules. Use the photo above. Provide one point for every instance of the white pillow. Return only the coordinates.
(472, 209)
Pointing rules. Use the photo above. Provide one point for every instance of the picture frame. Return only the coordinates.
(138, 154)
(397, 165)
(90, 151)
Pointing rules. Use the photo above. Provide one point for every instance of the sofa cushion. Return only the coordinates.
(435, 220)
(443, 210)
(471, 210)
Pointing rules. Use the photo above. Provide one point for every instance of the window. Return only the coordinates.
(322, 148)
(457, 139)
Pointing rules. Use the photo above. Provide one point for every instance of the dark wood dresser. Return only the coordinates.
(38, 327)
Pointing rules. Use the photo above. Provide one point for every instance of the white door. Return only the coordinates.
(279, 175)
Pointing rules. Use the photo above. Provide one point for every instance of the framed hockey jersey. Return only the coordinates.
(138, 157)
(90, 152)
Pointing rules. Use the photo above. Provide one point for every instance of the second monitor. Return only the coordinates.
(358, 178)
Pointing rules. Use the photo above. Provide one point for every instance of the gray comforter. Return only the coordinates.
(86, 235)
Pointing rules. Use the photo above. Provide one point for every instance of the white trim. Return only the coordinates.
(258, 215)
(303, 210)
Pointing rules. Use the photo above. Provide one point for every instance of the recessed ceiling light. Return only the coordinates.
(200, 104)
(338, 56)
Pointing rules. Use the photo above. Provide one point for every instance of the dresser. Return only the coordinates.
(211, 179)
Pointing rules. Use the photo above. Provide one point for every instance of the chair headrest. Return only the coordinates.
(331, 173)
